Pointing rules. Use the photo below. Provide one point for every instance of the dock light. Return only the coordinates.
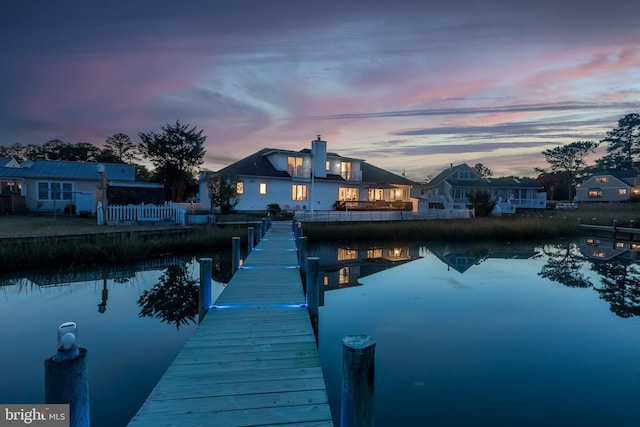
(67, 337)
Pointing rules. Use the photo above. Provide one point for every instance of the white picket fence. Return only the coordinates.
(168, 213)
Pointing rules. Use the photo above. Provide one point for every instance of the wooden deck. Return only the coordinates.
(253, 360)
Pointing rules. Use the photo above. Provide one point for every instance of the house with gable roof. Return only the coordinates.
(312, 179)
(610, 186)
(450, 188)
(54, 185)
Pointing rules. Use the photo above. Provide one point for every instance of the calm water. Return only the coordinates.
(469, 335)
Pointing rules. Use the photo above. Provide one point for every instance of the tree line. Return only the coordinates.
(178, 150)
(175, 153)
(569, 161)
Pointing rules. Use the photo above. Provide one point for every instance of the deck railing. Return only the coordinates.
(388, 215)
(377, 205)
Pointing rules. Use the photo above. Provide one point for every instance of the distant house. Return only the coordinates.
(312, 179)
(609, 186)
(48, 185)
(450, 188)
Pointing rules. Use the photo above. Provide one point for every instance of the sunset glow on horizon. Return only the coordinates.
(409, 86)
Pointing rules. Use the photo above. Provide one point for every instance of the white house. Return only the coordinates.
(48, 185)
(609, 186)
(313, 179)
(450, 188)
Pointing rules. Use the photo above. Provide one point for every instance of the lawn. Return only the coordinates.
(47, 225)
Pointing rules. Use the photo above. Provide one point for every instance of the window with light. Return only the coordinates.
(298, 192)
(263, 188)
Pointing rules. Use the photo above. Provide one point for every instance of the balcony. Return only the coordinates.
(377, 205)
(351, 176)
(299, 172)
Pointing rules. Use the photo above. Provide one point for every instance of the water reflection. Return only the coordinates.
(342, 266)
(572, 264)
(565, 265)
(174, 299)
(616, 262)
(462, 256)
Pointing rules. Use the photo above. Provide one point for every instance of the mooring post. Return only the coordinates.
(66, 377)
(358, 353)
(250, 239)
(206, 270)
(235, 254)
(300, 233)
(264, 226)
(614, 227)
(302, 255)
(313, 293)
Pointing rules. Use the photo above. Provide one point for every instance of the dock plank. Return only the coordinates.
(253, 360)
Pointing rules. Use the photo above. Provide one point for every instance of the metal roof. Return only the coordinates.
(56, 169)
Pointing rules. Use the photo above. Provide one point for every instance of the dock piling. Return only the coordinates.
(66, 377)
(235, 254)
(206, 271)
(313, 292)
(250, 239)
(358, 353)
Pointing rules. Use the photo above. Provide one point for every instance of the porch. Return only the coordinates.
(377, 205)
(13, 203)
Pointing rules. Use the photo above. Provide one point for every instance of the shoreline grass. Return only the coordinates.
(102, 247)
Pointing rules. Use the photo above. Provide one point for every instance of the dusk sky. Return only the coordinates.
(406, 85)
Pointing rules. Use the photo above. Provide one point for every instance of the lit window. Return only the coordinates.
(374, 253)
(594, 194)
(345, 193)
(622, 191)
(298, 192)
(347, 254)
(328, 165)
(294, 166)
(602, 179)
(240, 187)
(344, 276)
(263, 188)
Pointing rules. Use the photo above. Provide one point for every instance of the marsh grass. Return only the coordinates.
(47, 252)
(101, 246)
(506, 229)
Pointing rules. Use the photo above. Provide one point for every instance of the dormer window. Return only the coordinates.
(463, 174)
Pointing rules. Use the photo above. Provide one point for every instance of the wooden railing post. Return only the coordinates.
(358, 353)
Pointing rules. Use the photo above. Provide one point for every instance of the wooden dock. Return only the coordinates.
(253, 360)
(613, 230)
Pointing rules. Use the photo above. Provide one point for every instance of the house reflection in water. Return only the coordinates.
(341, 267)
(608, 248)
(462, 256)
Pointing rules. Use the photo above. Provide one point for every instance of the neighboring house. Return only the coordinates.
(450, 188)
(312, 179)
(48, 185)
(609, 186)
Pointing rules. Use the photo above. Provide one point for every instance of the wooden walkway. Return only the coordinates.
(253, 361)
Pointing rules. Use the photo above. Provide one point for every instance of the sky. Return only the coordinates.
(411, 86)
